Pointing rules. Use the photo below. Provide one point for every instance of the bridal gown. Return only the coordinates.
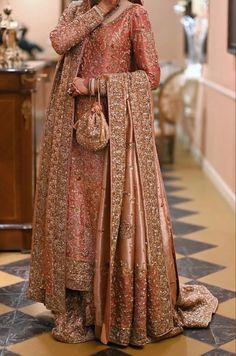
(147, 303)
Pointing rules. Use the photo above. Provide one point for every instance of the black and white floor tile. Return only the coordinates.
(20, 324)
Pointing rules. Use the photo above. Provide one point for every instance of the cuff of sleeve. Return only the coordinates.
(99, 11)
(103, 85)
(92, 18)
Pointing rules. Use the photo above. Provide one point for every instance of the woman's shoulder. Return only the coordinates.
(138, 9)
(140, 17)
(138, 12)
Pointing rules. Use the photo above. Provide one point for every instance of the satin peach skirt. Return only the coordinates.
(132, 302)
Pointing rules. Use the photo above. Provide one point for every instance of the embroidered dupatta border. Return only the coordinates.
(140, 101)
(160, 308)
(47, 268)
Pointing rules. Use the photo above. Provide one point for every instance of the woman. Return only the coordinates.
(103, 258)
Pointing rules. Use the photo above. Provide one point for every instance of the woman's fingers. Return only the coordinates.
(80, 86)
(72, 91)
(75, 93)
(74, 86)
(77, 87)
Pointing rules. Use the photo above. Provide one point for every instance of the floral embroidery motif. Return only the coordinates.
(126, 230)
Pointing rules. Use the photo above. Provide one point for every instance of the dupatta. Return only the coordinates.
(136, 283)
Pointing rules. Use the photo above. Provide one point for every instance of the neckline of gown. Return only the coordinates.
(119, 16)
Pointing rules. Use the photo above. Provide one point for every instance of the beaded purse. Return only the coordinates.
(92, 130)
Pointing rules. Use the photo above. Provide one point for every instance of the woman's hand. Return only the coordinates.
(79, 86)
(108, 5)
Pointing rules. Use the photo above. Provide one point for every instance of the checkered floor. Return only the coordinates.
(204, 241)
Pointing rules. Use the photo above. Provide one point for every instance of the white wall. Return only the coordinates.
(167, 28)
(215, 129)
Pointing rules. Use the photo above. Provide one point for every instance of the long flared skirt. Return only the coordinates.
(195, 304)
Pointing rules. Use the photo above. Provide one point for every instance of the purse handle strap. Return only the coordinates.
(98, 90)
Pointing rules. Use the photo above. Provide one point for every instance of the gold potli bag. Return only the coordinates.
(92, 130)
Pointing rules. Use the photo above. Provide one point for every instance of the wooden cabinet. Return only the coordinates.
(22, 107)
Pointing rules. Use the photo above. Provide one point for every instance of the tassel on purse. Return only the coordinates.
(92, 130)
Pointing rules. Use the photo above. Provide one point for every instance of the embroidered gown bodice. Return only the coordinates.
(122, 45)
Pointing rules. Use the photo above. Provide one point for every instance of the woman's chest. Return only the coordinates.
(109, 42)
(114, 35)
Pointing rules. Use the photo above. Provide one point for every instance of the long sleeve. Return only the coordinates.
(144, 48)
(73, 27)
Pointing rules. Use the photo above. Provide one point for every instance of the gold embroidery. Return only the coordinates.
(140, 97)
(79, 274)
(117, 124)
(68, 34)
(159, 317)
(126, 230)
(47, 270)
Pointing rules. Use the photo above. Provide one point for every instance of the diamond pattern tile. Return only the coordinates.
(230, 347)
(174, 200)
(228, 309)
(7, 279)
(15, 295)
(19, 268)
(177, 213)
(5, 352)
(218, 352)
(220, 331)
(188, 247)
(181, 228)
(9, 257)
(36, 310)
(168, 178)
(173, 188)
(166, 168)
(192, 268)
(17, 326)
(111, 352)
